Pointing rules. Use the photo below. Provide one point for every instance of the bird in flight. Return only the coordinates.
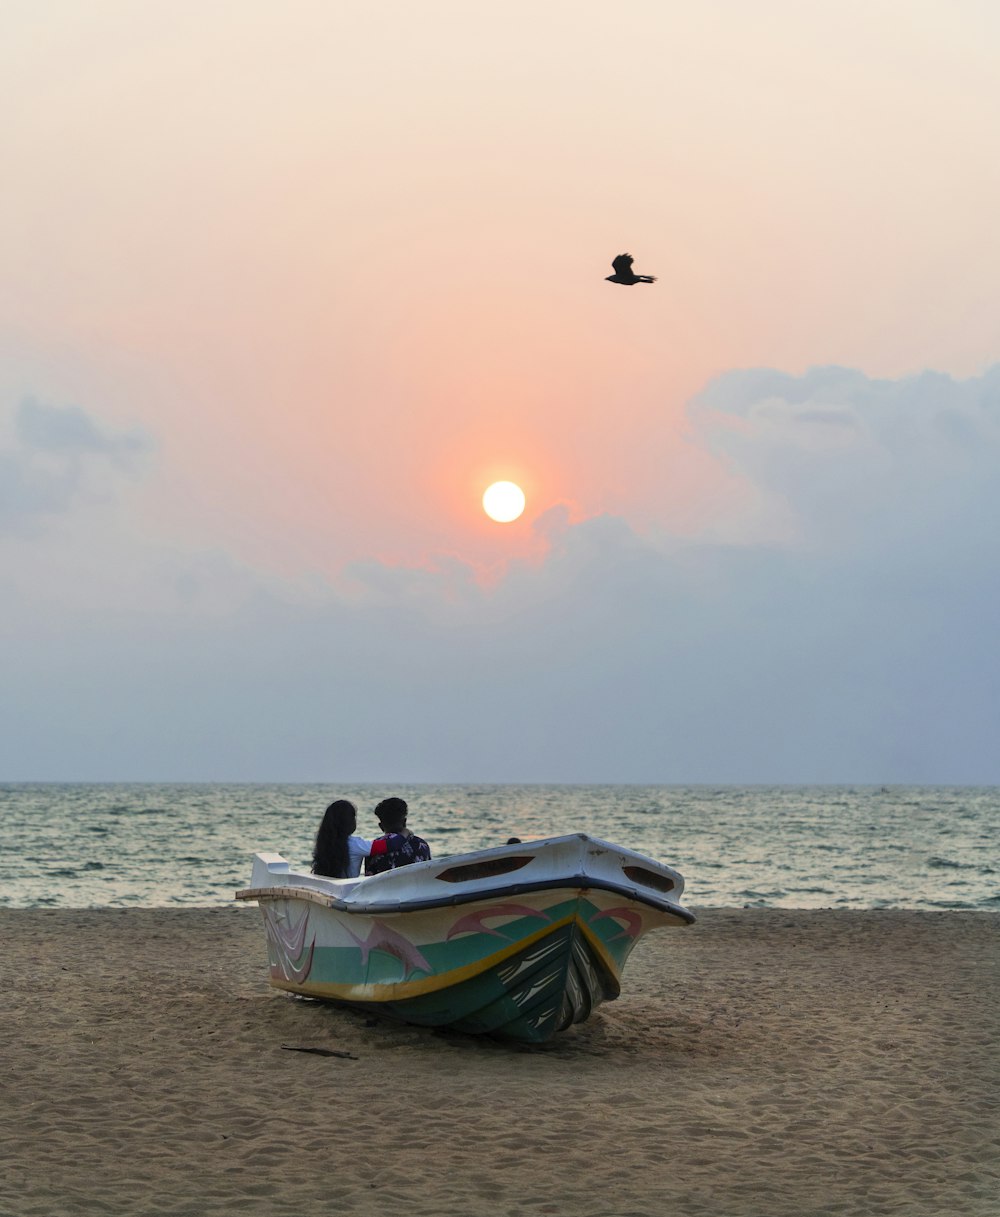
(623, 272)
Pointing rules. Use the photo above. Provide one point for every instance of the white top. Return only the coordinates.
(358, 848)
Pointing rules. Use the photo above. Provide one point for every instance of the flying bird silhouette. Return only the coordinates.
(622, 266)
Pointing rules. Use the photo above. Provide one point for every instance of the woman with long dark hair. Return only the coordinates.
(338, 852)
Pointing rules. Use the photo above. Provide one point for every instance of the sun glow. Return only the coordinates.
(503, 502)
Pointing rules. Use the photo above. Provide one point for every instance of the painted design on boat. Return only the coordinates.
(384, 938)
(286, 942)
(473, 922)
(632, 919)
(526, 962)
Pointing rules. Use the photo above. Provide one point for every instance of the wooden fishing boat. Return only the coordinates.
(519, 941)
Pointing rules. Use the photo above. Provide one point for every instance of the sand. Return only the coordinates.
(762, 1063)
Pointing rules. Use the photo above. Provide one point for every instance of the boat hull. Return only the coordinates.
(519, 961)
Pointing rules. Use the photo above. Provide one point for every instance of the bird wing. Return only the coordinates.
(622, 264)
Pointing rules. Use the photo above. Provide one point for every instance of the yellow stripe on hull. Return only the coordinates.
(404, 989)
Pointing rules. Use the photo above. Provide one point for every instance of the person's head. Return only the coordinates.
(340, 819)
(330, 852)
(391, 814)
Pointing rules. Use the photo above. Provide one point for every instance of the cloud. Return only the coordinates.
(843, 459)
(860, 646)
(59, 455)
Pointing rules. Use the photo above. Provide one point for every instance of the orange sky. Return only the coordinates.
(346, 261)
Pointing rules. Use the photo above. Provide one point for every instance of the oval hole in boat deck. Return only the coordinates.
(639, 874)
(483, 870)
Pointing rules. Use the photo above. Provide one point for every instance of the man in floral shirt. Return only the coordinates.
(391, 816)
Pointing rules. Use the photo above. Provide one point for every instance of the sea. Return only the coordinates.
(853, 847)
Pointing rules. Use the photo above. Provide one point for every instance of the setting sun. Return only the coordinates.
(503, 502)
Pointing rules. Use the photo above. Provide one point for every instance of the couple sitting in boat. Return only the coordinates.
(339, 852)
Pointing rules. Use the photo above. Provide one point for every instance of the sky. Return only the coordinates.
(284, 288)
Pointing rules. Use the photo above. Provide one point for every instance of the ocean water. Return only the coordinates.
(84, 846)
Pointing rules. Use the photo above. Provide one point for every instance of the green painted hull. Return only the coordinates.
(540, 990)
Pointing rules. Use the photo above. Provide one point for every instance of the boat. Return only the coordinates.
(519, 942)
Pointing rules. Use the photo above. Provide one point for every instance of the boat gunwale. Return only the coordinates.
(577, 882)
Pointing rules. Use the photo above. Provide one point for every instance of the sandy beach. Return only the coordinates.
(762, 1063)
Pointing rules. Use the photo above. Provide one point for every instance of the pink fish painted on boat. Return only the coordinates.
(384, 938)
(472, 923)
(633, 922)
